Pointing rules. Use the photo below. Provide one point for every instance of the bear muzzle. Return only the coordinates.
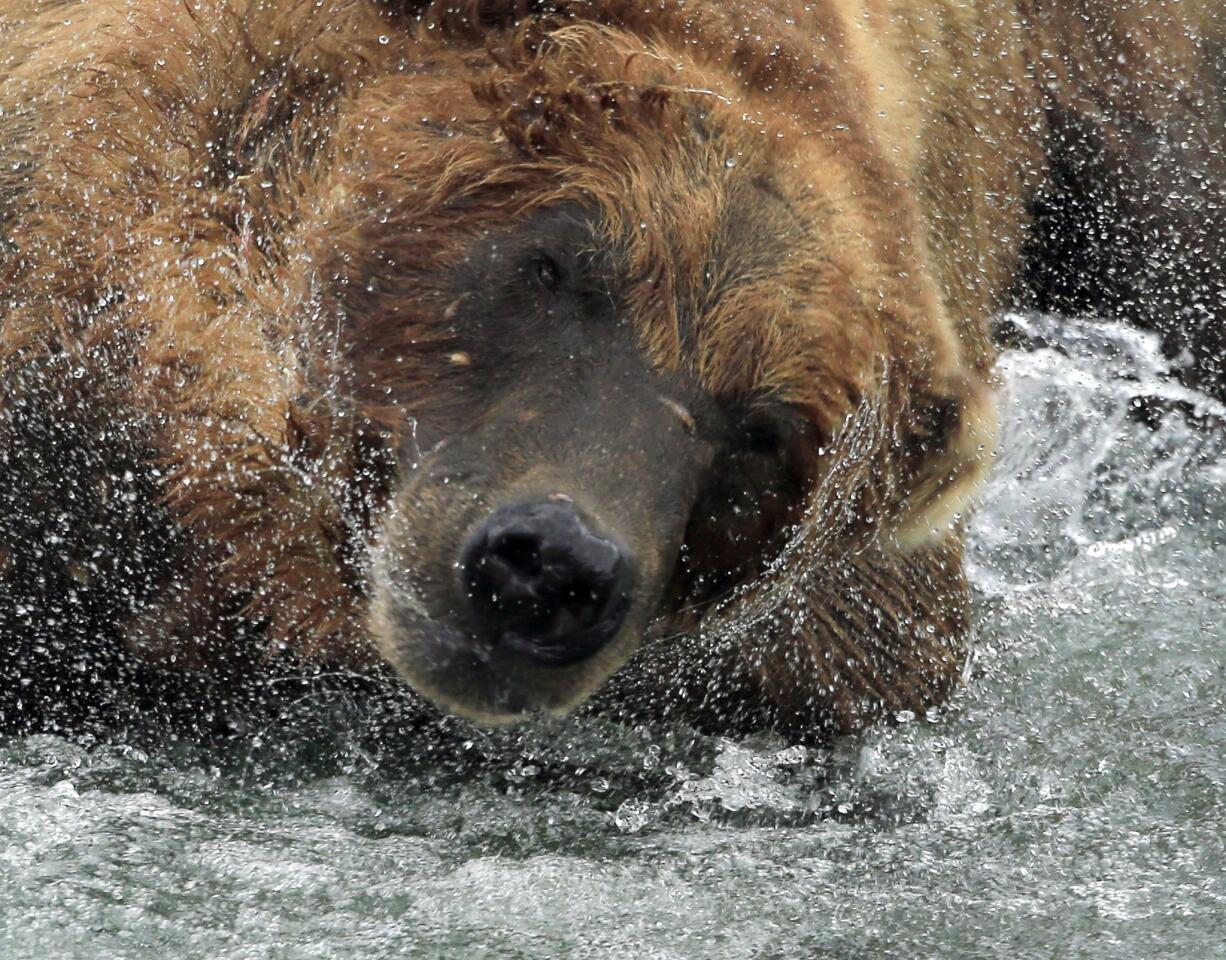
(543, 580)
(539, 603)
(522, 559)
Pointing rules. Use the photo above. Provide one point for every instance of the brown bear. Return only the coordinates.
(538, 350)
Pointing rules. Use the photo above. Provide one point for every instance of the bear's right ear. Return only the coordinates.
(949, 441)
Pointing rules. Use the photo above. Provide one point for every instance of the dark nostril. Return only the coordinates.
(542, 579)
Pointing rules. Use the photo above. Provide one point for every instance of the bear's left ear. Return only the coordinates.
(949, 439)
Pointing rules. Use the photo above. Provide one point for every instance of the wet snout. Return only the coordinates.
(546, 582)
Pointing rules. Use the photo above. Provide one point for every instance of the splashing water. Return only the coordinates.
(1070, 803)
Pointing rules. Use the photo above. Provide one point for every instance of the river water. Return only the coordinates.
(1071, 802)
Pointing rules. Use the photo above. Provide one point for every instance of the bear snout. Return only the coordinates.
(545, 581)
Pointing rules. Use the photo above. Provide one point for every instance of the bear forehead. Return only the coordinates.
(740, 262)
(706, 239)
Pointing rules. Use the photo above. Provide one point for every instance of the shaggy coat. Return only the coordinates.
(226, 362)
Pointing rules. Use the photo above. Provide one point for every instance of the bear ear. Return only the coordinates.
(949, 442)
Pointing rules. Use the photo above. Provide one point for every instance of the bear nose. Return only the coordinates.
(541, 579)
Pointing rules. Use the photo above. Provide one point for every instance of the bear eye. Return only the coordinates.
(762, 437)
(546, 273)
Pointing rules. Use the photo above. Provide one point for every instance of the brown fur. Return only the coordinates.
(192, 197)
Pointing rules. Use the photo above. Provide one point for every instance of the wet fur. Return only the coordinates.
(167, 169)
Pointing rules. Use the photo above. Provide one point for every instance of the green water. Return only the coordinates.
(1070, 803)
